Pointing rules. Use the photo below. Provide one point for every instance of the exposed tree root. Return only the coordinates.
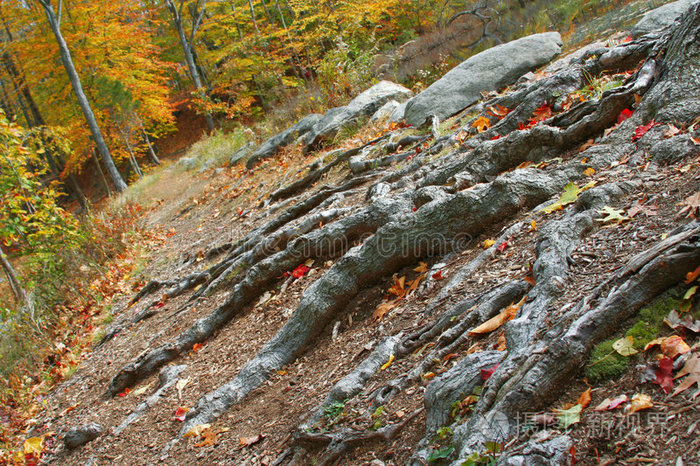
(339, 443)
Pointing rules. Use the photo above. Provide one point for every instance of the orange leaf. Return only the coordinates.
(585, 398)
(639, 401)
(180, 414)
(196, 347)
(541, 113)
(209, 438)
(481, 124)
(692, 276)
(382, 310)
(496, 321)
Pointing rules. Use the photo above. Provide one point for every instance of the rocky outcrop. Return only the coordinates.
(487, 71)
(661, 17)
(363, 105)
(272, 145)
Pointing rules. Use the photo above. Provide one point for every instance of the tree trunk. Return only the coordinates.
(102, 174)
(189, 57)
(55, 23)
(17, 290)
(151, 149)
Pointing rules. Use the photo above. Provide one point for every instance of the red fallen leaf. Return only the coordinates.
(180, 414)
(642, 130)
(438, 275)
(196, 347)
(415, 208)
(158, 305)
(300, 271)
(663, 374)
(521, 126)
(572, 452)
(502, 247)
(486, 373)
(625, 114)
(498, 136)
(541, 113)
(627, 39)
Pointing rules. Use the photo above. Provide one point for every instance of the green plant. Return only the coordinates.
(488, 457)
(334, 409)
(441, 453)
(377, 416)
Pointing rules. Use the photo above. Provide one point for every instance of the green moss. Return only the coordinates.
(605, 362)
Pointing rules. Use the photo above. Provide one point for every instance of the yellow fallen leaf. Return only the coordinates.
(429, 375)
(197, 430)
(481, 124)
(533, 226)
(589, 171)
(495, 322)
(639, 401)
(142, 390)
(625, 346)
(488, 243)
(182, 383)
(33, 445)
(388, 363)
(422, 267)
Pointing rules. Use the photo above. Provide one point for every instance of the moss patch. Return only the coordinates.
(605, 362)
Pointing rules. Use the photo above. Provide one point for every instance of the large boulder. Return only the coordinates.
(486, 71)
(363, 105)
(271, 146)
(661, 17)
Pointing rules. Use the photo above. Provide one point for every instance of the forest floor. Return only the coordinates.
(194, 213)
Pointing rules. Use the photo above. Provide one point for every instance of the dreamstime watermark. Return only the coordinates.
(328, 243)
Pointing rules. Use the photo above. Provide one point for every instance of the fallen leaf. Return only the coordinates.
(142, 390)
(690, 277)
(388, 363)
(639, 402)
(485, 374)
(690, 293)
(663, 374)
(639, 207)
(611, 403)
(641, 130)
(197, 430)
(488, 243)
(399, 287)
(248, 441)
(481, 124)
(541, 113)
(499, 112)
(33, 445)
(428, 375)
(422, 267)
(570, 195)
(589, 171)
(382, 310)
(585, 398)
(675, 321)
(671, 131)
(691, 369)
(300, 271)
(568, 417)
(196, 347)
(180, 414)
(182, 383)
(625, 346)
(691, 206)
(611, 215)
(495, 322)
(625, 114)
(502, 247)
(437, 275)
(670, 346)
(209, 438)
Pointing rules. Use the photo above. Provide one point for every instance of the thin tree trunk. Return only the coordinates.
(55, 24)
(132, 157)
(102, 174)
(151, 150)
(17, 290)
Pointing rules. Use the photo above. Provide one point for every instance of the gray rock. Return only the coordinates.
(486, 71)
(81, 435)
(385, 112)
(399, 113)
(241, 153)
(661, 17)
(271, 146)
(363, 105)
